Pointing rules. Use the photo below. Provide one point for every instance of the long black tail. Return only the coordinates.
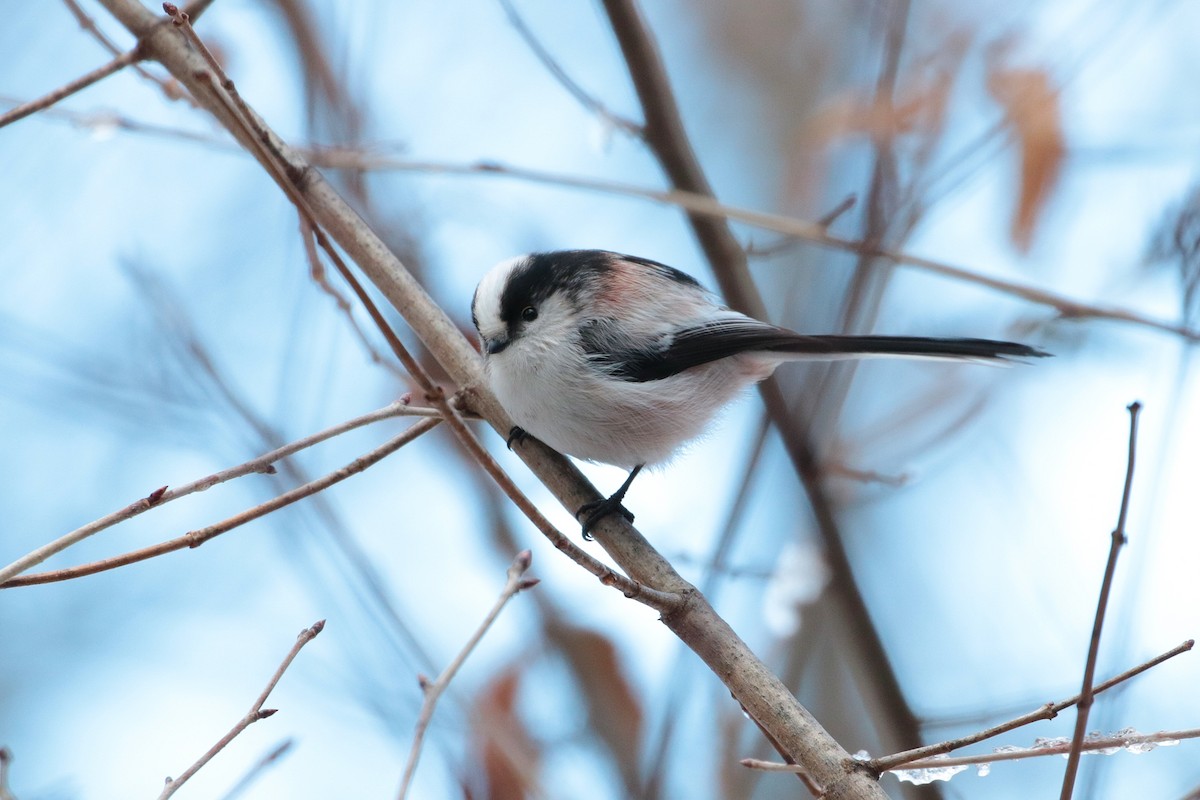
(709, 341)
(915, 346)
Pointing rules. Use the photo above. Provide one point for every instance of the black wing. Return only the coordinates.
(699, 344)
(679, 350)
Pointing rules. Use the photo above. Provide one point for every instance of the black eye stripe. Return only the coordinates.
(543, 274)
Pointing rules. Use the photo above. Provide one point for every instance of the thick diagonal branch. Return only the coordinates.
(694, 620)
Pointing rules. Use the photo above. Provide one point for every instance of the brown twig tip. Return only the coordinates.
(406, 398)
(263, 713)
(315, 628)
(423, 681)
(155, 497)
(528, 583)
(1134, 407)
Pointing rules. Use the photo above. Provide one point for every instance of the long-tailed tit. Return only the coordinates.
(622, 360)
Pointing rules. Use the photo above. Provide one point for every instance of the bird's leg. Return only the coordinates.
(516, 434)
(598, 509)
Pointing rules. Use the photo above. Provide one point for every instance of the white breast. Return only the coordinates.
(557, 397)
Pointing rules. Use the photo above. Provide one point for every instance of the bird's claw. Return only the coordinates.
(597, 510)
(516, 434)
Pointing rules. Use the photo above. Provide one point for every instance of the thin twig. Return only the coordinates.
(171, 89)
(45, 101)
(200, 536)
(516, 582)
(163, 495)
(1084, 706)
(316, 270)
(1048, 711)
(556, 70)
(88, 24)
(1164, 738)
(255, 713)
(255, 772)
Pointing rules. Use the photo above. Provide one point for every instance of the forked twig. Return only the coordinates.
(200, 536)
(1117, 740)
(1118, 540)
(1048, 711)
(516, 582)
(255, 713)
(263, 463)
(45, 101)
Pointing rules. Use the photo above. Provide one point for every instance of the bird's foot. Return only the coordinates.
(597, 510)
(516, 434)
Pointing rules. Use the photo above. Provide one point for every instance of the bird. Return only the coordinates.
(622, 360)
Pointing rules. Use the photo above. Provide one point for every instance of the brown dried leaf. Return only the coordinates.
(505, 755)
(919, 108)
(613, 707)
(1031, 108)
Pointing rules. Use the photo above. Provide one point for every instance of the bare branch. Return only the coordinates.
(255, 713)
(1165, 738)
(1084, 706)
(163, 495)
(100, 73)
(171, 89)
(1048, 711)
(317, 271)
(198, 537)
(555, 69)
(270, 759)
(515, 582)
(1117, 740)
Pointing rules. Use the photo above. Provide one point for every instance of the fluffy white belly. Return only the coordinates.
(625, 423)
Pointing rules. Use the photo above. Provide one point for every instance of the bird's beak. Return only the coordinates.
(494, 346)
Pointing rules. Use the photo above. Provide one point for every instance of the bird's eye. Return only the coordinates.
(529, 313)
